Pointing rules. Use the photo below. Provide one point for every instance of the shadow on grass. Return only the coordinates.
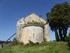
(68, 45)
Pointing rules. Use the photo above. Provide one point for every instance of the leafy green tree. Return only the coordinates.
(59, 19)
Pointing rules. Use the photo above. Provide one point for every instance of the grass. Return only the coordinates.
(46, 47)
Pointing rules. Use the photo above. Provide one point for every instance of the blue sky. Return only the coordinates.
(12, 10)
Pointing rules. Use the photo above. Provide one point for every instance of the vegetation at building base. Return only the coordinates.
(31, 44)
(16, 42)
(59, 19)
(46, 47)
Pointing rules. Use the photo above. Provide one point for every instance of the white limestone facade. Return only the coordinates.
(35, 34)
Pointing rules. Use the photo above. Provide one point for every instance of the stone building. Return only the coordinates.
(32, 28)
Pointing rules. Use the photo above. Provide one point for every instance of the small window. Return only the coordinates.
(33, 21)
(33, 34)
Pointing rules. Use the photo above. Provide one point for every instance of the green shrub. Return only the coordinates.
(15, 42)
(31, 43)
(69, 44)
(68, 37)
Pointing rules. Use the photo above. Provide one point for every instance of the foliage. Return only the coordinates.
(15, 42)
(1, 42)
(68, 37)
(69, 45)
(47, 47)
(36, 23)
(31, 43)
(59, 19)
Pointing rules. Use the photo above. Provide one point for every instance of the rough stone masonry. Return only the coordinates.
(32, 32)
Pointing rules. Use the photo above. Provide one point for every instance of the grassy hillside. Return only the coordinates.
(47, 47)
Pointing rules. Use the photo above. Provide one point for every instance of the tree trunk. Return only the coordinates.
(56, 35)
(60, 34)
(64, 33)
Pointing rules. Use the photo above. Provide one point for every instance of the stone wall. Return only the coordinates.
(32, 33)
(34, 17)
(46, 32)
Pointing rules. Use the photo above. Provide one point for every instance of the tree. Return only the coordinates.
(68, 37)
(57, 36)
(59, 19)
